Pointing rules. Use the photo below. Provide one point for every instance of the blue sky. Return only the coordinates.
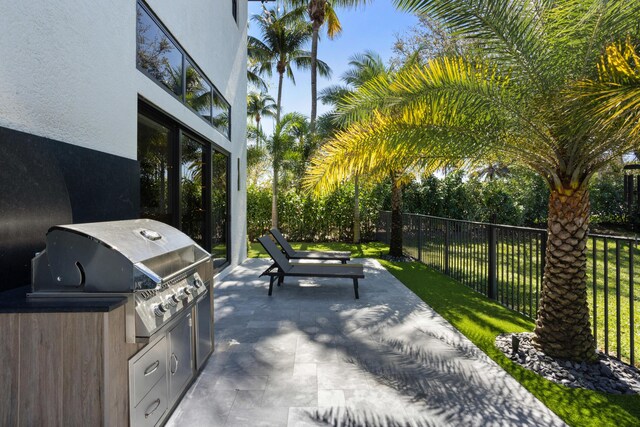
(373, 27)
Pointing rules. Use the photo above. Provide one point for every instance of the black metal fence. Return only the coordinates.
(506, 264)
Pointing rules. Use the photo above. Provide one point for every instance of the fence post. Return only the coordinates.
(446, 247)
(420, 238)
(492, 285)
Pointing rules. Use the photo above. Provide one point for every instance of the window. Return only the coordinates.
(156, 170)
(184, 182)
(198, 93)
(221, 114)
(193, 210)
(219, 207)
(161, 58)
(157, 55)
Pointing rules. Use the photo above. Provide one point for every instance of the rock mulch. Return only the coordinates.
(607, 374)
(403, 258)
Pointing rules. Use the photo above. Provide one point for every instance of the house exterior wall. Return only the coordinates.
(69, 92)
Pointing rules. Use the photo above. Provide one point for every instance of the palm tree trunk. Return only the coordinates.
(314, 76)
(395, 245)
(274, 197)
(356, 212)
(562, 326)
(274, 184)
(259, 132)
(280, 79)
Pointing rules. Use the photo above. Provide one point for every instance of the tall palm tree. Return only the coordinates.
(284, 148)
(283, 38)
(322, 12)
(518, 97)
(259, 105)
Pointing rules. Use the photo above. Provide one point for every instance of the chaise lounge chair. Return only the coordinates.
(282, 268)
(342, 256)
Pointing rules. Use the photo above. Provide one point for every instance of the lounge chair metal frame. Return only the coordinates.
(282, 268)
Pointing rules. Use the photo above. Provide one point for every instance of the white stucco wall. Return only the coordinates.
(68, 72)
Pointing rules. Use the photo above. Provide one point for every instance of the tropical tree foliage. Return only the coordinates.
(282, 42)
(283, 37)
(259, 105)
(321, 13)
(363, 67)
(283, 147)
(552, 88)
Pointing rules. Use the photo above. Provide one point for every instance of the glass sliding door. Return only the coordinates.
(219, 208)
(157, 172)
(184, 182)
(192, 189)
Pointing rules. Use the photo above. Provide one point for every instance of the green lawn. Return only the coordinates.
(361, 250)
(481, 320)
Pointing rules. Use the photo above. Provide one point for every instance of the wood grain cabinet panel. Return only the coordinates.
(9, 374)
(64, 369)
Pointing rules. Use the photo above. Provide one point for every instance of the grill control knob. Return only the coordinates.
(187, 291)
(173, 301)
(160, 309)
(197, 283)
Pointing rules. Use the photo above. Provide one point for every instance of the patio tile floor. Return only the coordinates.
(312, 355)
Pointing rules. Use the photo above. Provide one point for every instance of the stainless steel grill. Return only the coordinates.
(159, 268)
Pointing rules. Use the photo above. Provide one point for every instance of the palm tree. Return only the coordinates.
(259, 105)
(283, 147)
(321, 12)
(518, 97)
(283, 38)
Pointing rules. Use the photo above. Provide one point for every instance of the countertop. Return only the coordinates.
(16, 301)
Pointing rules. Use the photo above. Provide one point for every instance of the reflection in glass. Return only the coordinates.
(156, 53)
(219, 200)
(192, 189)
(156, 173)
(198, 93)
(221, 113)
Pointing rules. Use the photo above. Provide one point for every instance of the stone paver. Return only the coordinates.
(312, 355)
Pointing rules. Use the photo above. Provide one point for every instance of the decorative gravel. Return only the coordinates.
(403, 258)
(607, 374)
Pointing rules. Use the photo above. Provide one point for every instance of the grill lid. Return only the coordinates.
(115, 256)
(137, 239)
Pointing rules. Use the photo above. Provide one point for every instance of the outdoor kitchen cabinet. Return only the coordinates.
(65, 368)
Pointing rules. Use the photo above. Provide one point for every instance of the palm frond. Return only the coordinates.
(508, 30)
(303, 61)
(332, 22)
(614, 98)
